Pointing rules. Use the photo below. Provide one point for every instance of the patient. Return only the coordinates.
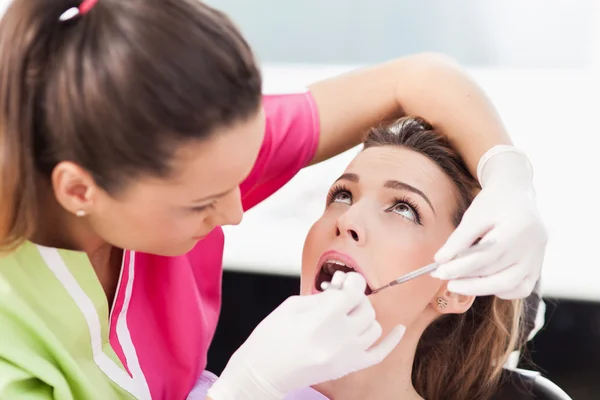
(388, 213)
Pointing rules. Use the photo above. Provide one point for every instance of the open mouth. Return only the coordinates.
(328, 268)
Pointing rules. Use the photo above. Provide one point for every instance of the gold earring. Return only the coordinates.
(80, 213)
(442, 303)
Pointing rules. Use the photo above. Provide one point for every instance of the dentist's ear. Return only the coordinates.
(446, 302)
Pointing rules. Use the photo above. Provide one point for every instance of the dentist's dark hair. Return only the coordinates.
(114, 91)
(459, 356)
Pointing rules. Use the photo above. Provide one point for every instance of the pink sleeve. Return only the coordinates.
(290, 142)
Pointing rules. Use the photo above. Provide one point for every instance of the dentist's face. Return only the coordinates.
(386, 215)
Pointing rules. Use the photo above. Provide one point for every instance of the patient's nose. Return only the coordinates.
(351, 232)
(349, 227)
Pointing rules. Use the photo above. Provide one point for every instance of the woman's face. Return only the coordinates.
(387, 214)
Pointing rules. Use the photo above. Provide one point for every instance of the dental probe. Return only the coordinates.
(421, 271)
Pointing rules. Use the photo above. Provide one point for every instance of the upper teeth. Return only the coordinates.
(331, 266)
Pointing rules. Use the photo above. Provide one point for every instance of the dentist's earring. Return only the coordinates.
(80, 213)
(442, 303)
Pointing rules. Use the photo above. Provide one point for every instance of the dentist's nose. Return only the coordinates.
(230, 210)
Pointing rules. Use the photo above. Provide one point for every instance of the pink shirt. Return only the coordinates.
(166, 308)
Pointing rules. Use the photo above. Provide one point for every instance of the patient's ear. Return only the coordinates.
(446, 302)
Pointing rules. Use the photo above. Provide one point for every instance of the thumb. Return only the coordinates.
(381, 350)
(472, 227)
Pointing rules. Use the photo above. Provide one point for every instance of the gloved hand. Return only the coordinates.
(504, 212)
(305, 341)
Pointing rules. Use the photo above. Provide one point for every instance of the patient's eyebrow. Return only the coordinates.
(348, 177)
(392, 184)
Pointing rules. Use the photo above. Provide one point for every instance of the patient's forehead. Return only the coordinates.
(376, 165)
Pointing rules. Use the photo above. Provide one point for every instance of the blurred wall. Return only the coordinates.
(511, 33)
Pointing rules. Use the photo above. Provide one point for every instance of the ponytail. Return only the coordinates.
(21, 62)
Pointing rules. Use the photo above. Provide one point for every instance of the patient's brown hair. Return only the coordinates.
(459, 356)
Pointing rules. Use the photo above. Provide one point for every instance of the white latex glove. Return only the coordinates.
(504, 212)
(305, 341)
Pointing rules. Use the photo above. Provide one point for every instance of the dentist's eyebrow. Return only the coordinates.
(212, 197)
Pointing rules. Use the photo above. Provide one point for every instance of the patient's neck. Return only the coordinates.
(391, 379)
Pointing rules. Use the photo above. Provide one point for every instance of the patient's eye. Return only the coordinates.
(343, 197)
(404, 210)
(407, 209)
(339, 194)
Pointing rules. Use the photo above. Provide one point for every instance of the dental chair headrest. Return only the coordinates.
(520, 384)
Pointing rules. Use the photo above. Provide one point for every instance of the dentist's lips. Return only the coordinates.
(333, 261)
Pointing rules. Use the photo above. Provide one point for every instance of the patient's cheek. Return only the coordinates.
(306, 286)
(405, 303)
(310, 254)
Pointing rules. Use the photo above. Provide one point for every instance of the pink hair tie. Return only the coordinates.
(84, 8)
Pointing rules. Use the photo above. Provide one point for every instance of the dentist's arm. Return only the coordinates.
(430, 86)
(435, 88)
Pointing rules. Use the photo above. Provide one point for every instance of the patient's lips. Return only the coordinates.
(333, 261)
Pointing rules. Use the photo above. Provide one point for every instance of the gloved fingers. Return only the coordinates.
(302, 304)
(476, 264)
(503, 281)
(297, 304)
(337, 281)
(362, 316)
(382, 349)
(370, 335)
(521, 291)
(473, 226)
(353, 289)
(506, 260)
(513, 245)
(333, 295)
(345, 293)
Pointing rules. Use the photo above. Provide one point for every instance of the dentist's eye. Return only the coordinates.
(339, 194)
(407, 209)
(199, 209)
